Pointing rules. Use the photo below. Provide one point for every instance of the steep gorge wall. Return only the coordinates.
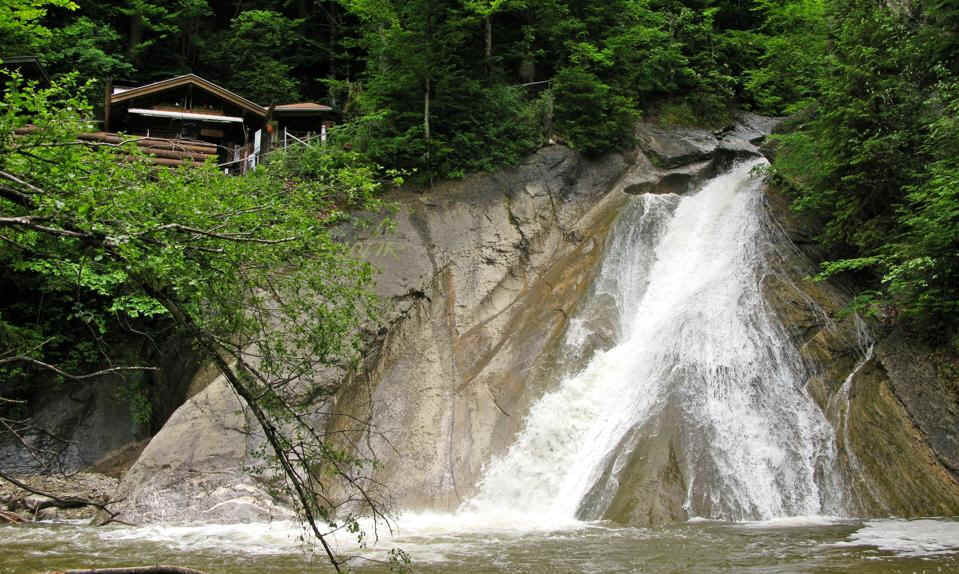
(478, 277)
(482, 277)
(892, 400)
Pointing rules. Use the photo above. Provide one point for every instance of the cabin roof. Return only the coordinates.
(302, 108)
(187, 79)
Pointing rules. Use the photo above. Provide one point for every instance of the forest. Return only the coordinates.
(436, 89)
(107, 264)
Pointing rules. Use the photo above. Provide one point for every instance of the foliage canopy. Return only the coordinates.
(102, 246)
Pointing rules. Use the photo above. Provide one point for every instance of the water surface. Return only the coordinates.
(441, 544)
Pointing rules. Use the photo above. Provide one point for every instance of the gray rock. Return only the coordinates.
(678, 180)
(198, 467)
(753, 128)
(733, 148)
(896, 427)
(74, 427)
(925, 381)
(482, 274)
(673, 147)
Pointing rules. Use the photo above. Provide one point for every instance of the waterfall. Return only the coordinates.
(700, 374)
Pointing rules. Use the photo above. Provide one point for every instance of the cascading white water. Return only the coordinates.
(697, 352)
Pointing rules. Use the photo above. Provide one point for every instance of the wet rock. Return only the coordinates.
(753, 128)
(678, 180)
(926, 381)
(88, 486)
(198, 467)
(894, 415)
(75, 428)
(674, 147)
(681, 158)
(511, 254)
(482, 274)
(889, 465)
(732, 149)
(643, 485)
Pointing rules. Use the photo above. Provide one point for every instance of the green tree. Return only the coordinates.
(425, 104)
(874, 158)
(257, 55)
(245, 267)
(793, 40)
(22, 27)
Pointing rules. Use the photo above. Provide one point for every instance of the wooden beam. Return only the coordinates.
(190, 145)
(177, 154)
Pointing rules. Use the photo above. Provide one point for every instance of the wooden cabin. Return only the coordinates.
(191, 111)
(186, 108)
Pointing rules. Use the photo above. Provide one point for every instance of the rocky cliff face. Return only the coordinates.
(482, 277)
(892, 401)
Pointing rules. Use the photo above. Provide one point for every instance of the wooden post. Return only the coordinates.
(107, 98)
(267, 140)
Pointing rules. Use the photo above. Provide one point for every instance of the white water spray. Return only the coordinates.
(698, 358)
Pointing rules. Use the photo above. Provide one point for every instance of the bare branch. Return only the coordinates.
(18, 245)
(57, 501)
(228, 237)
(62, 373)
(31, 222)
(15, 196)
(270, 431)
(17, 180)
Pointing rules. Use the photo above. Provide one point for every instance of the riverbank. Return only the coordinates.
(56, 497)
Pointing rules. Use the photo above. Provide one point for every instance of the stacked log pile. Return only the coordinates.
(168, 152)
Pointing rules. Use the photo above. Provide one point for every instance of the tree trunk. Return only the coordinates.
(134, 36)
(333, 39)
(305, 497)
(426, 129)
(488, 54)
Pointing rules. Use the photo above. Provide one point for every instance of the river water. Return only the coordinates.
(443, 544)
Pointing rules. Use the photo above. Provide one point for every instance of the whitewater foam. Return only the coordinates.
(695, 338)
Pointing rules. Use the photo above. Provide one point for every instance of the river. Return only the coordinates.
(444, 544)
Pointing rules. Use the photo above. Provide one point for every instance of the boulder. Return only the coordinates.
(732, 148)
(674, 147)
(678, 180)
(200, 467)
(753, 128)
